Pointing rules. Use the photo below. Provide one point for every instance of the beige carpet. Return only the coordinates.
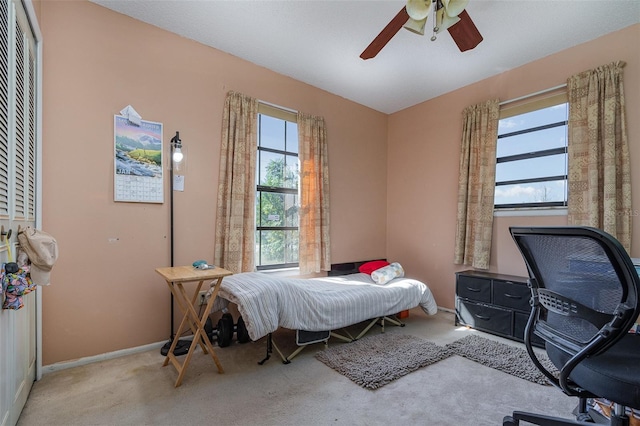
(137, 390)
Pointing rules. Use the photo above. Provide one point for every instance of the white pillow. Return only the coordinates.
(387, 273)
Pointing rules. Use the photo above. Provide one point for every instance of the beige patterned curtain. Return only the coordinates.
(314, 251)
(235, 220)
(599, 171)
(476, 185)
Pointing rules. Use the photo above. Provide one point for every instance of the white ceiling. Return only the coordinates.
(319, 41)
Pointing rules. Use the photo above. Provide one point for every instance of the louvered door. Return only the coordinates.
(18, 141)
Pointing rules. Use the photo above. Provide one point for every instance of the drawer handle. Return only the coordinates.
(473, 289)
(512, 296)
(482, 317)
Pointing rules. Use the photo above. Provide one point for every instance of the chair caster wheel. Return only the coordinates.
(509, 421)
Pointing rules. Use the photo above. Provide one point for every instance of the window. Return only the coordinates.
(277, 183)
(531, 155)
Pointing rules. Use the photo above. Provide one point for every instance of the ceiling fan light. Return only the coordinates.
(454, 7)
(418, 9)
(416, 26)
(444, 21)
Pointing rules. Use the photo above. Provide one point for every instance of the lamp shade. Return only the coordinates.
(444, 21)
(416, 26)
(453, 7)
(418, 9)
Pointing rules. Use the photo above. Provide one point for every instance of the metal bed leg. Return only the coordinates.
(395, 321)
(349, 338)
(284, 359)
(288, 359)
(269, 349)
(367, 328)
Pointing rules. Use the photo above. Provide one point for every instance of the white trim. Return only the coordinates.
(33, 19)
(102, 357)
(37, 34)
(531, 95)
(531, 211)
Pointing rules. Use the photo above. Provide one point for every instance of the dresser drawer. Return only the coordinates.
(512, 295)
(484, 317)
(473, 288)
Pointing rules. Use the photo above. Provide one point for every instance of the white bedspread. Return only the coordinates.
(267, 302)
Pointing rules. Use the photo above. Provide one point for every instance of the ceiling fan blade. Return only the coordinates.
(386, 34)
(465, 33)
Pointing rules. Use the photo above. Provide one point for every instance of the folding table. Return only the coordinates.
(176, 277)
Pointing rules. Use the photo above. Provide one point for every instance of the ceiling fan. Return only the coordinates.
(447, 14)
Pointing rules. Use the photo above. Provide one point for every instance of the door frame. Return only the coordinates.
(37, 34)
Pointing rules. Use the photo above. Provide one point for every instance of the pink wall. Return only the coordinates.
(424, 149)
(105, 294)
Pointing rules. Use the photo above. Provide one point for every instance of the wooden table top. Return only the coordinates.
(189, 273)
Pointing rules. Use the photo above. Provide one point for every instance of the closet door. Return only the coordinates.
(18, 147)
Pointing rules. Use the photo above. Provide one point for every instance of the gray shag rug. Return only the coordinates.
(374, 361)
(506, 358)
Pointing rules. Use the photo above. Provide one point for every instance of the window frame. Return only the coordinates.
(288, 116)
(557, 97)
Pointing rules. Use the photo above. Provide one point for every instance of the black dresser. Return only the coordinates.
(495, 303)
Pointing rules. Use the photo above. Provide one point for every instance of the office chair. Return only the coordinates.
(585, 293)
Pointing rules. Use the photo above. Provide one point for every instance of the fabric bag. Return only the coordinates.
(14, 285)
(42, 250)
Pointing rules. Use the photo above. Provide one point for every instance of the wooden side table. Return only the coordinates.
(175, 278)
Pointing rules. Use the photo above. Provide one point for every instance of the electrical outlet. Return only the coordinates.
(202, 298)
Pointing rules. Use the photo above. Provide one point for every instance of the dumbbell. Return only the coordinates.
(225, 329)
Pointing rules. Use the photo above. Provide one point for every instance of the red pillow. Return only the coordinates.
(369, 267)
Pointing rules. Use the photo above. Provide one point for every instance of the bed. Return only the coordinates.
(324, 305)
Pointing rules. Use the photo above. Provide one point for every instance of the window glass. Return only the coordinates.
(271, 133)
(277, 248)
(531, 168)
(276, 209)
(271, 169)
(292, 136)
(555, 137)
(540, 117)
(532, 149)
(277, 199)
(291, 172)
(534, 192)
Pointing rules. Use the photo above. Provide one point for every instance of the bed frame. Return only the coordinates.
(305, 338)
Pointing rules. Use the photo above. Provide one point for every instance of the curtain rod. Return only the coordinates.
(541, 92)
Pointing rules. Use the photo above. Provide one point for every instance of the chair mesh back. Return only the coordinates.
(583, 272)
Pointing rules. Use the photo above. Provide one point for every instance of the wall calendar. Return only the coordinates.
(138, 164)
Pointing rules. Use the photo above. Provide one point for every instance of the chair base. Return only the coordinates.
(542, 420)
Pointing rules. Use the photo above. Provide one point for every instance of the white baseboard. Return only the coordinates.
(123, 352)
(102, 357)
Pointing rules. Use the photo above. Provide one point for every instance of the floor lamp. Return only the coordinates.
(182, 347)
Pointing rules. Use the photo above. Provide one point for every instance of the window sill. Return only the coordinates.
(531, 211)
(283, 272)
(291, 273)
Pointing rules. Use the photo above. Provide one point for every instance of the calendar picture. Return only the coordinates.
(138, 161)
